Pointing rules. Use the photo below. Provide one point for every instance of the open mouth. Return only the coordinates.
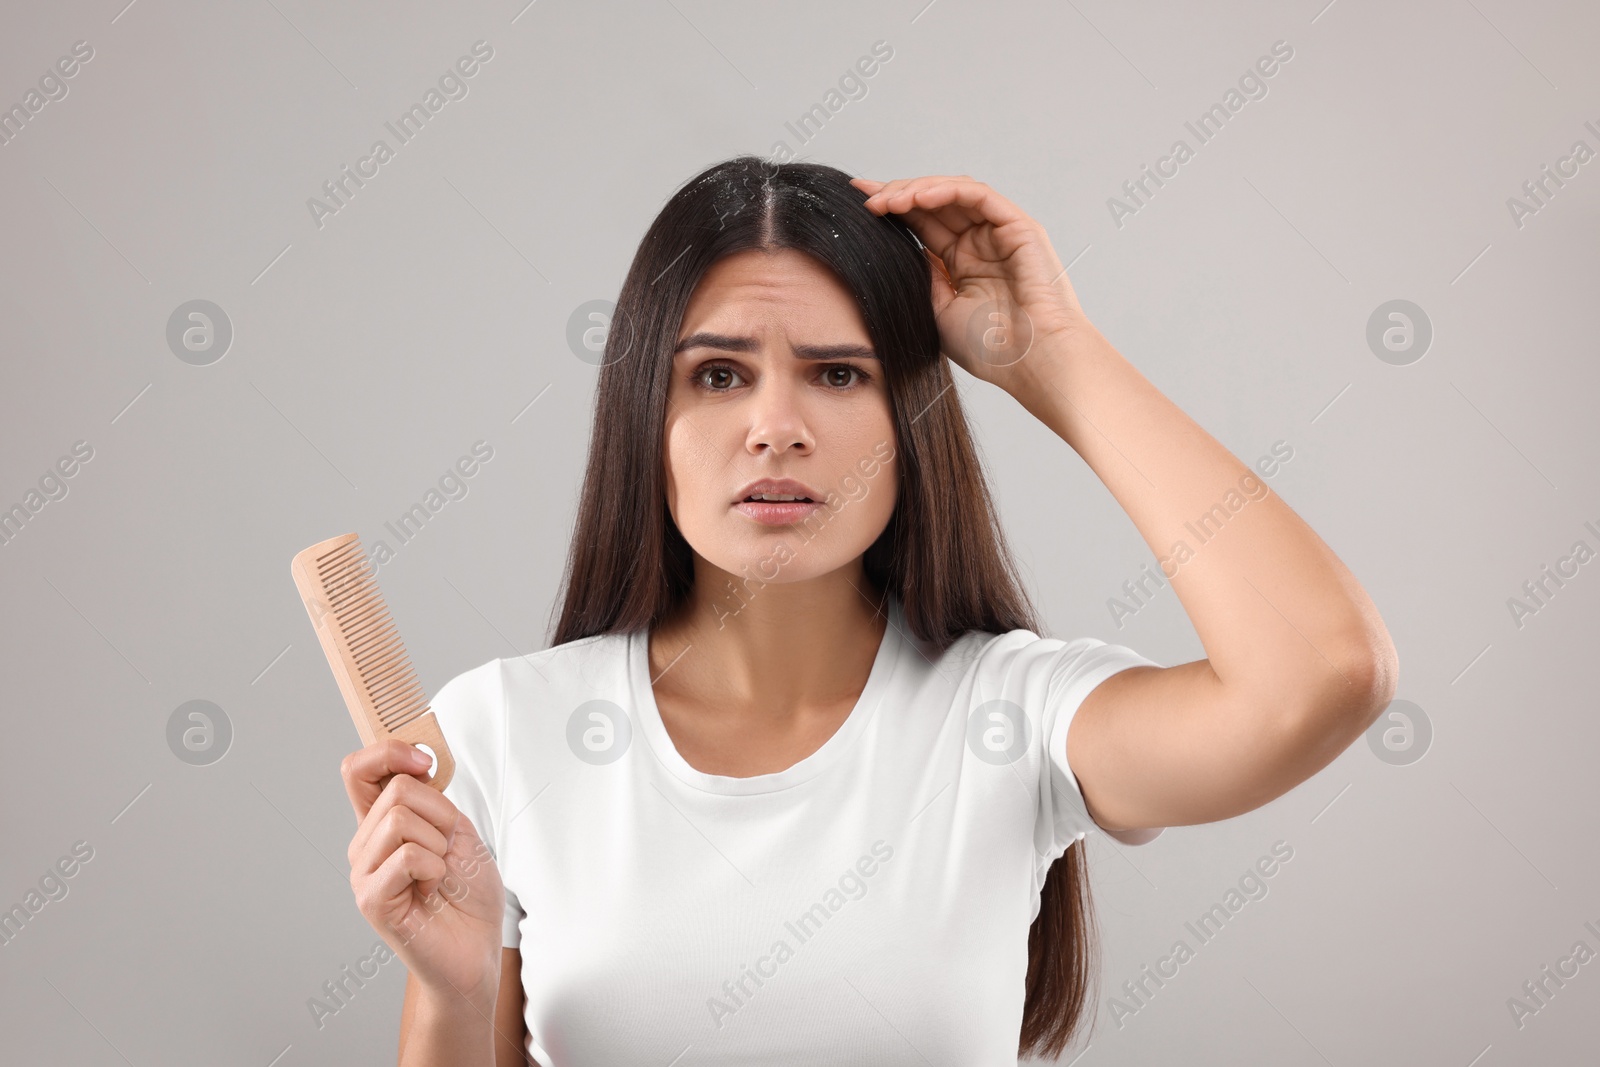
(784, 512)
(776, 498)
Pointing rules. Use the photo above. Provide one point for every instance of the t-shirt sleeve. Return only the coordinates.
(470, 709)
(1028, 688)
(1075, 669)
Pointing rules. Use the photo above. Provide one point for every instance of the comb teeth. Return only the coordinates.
(383, 669)
(339, 588)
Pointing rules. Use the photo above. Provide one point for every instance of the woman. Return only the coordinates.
(791, 783)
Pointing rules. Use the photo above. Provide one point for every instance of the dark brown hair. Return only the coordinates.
(942, 554)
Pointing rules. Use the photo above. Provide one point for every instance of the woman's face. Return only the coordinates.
(775, 377)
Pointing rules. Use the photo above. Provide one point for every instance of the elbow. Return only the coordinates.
(1337, 712)
(1367, 675)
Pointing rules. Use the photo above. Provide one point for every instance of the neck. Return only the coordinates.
(776, 650)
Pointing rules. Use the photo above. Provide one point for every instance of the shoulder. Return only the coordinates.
(567, 672)
(470, 702)
(1022, 661)
(481, 697)
(1015, 650)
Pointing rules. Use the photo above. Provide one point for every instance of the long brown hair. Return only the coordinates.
(942, 554)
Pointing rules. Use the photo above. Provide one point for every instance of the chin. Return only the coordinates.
(780, 555)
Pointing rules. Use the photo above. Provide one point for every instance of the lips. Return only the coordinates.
(781, 486)
(777, 512)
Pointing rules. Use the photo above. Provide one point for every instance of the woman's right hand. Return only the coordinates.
(421, 874)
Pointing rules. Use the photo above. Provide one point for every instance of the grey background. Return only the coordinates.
(431, 312)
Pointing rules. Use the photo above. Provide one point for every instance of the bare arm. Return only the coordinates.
(443, 1037)
(1298, 662)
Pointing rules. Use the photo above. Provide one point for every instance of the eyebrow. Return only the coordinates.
(725, 343)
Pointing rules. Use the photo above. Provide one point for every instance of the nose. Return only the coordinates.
(777, 417)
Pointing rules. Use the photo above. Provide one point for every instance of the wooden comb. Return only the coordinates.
(365, 651)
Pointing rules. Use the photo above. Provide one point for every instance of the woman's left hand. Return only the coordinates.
(1000, 294)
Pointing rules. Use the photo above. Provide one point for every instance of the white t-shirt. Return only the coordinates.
(868, 905)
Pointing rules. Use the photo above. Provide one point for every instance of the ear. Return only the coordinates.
(944, 289)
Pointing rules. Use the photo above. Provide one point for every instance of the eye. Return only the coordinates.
(699, 376)
(710, 377)
(862, 377)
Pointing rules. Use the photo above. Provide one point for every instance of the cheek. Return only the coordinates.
(882, 490)
(692, 466)
(884, 485)
(868, 481)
